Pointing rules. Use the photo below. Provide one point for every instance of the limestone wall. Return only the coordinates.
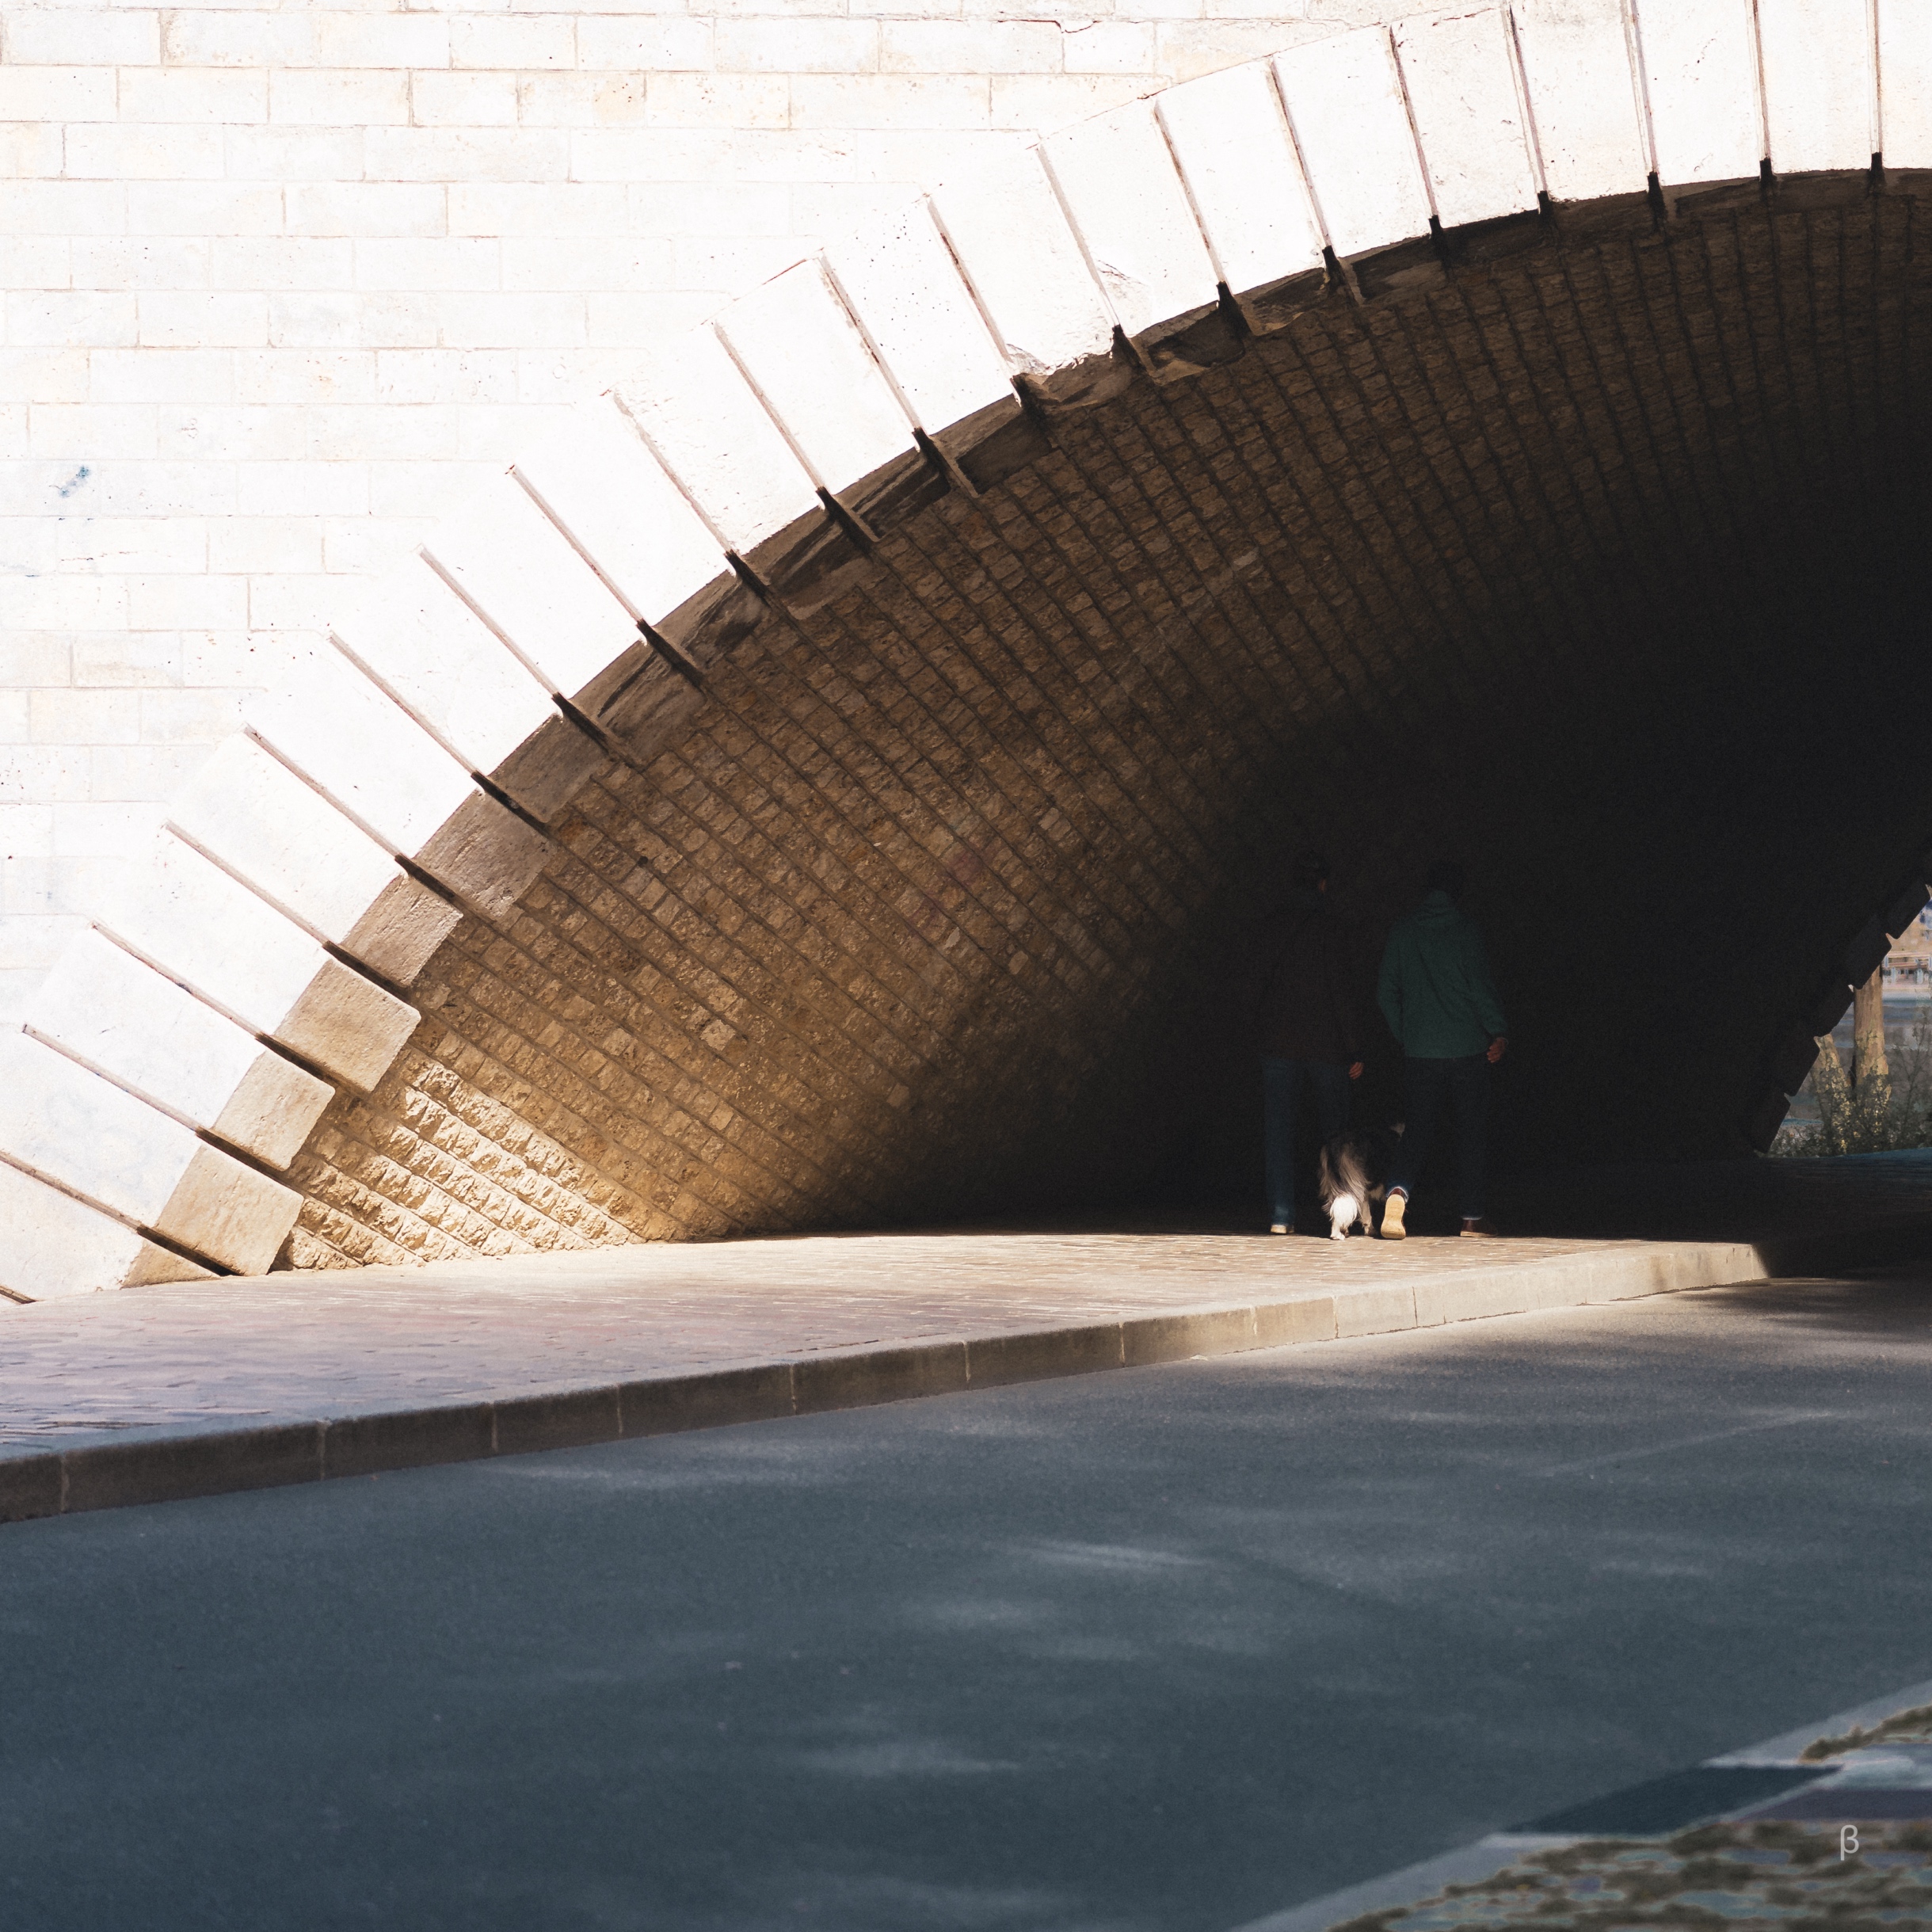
(281, 285)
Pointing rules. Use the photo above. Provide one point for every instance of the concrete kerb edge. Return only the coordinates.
(177, 1468)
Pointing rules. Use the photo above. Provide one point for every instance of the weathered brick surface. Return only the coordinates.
(1563, 564)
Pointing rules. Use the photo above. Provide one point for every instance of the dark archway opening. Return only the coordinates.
(1599, 564)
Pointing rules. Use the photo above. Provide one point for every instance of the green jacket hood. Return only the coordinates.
(1435, 988)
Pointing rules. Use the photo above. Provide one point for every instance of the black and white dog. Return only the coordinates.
(1353, 1175)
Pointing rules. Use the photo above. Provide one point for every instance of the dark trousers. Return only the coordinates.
(1281, 1081)
(1433, 1085)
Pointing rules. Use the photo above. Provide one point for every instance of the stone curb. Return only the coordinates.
(169, 1469)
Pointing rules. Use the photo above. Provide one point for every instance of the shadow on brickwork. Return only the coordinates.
(1601, 566)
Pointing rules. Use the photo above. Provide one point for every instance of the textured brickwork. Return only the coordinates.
(1564, 562)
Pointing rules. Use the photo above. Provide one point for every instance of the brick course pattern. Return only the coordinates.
(835, 778)
(905, 916)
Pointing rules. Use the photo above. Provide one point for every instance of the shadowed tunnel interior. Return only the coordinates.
(1597, 563)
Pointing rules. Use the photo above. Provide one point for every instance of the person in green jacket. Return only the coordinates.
(1436, 993)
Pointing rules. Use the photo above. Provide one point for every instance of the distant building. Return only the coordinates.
(1908, 965)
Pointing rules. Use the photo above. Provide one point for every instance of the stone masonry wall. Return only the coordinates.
(1557, 561)
(281, 283)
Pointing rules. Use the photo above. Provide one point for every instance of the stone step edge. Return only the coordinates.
(221, 1460)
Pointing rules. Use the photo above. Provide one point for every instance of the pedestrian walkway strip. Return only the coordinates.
(1829, 1825)
(198, 1389)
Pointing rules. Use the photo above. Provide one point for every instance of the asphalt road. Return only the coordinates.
(1167, 1649)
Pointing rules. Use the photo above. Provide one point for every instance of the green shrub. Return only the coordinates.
(1876, 1117)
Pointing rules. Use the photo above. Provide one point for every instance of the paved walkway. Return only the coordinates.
(314, 1349)
(325, 1345)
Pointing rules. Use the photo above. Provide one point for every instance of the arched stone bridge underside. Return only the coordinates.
(890, 849)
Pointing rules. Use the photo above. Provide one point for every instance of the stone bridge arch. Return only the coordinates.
(831, 779)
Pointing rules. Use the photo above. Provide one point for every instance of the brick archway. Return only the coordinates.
(831, 781)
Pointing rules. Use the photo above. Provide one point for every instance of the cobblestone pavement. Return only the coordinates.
(318, 1345)
(1837, 1838)
(1737, 1875)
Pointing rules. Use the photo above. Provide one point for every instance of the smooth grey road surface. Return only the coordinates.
(1165, 1648)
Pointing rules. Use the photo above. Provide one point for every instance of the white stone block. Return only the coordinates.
(600, 264)
(970, 47)
(806, 358)
(1701, 68)
(1819, 83)
(516, 568)
(1584, 104)
(83, 36)
(531, 41)
(595, 477)
(360, 98)
(53, 94)
(546, 322)
(139, 261)
(28, 149)
(94, 430)
(360, 208)
(361, 749)
(716, 438)
(1461, 87)
(1231, 140)
(1034, 103)
(198, 924)
(67, 319)
(52, 1244)
(549, 211)
(110, 831)
(377, 39)
(417, 264)
(63, 208)
(769, 44)
(1344, 102)
(1108, 47)
(441, 154)
(204, 318)
(649, 45)
(41, 262)
(443, 376)
(148, 1034)
(238, 38)
(1010, 235)
(206, 96)
(190, 918)
(915, 103)
(905, 287)
(119, 152)
(1905, 83)
(249, 812)
(62, 1121)
(422, 644)
(1118, 180)
(187, 603)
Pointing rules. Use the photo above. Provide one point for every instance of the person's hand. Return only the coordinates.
(1498, 1047)
(1355, 1072)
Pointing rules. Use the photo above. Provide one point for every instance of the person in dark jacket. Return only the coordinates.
(1308, 1026)
(1436, 993)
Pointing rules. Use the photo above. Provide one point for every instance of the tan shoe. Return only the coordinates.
(1279, 1227)
(1482, 1228)
(1392, 1229)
